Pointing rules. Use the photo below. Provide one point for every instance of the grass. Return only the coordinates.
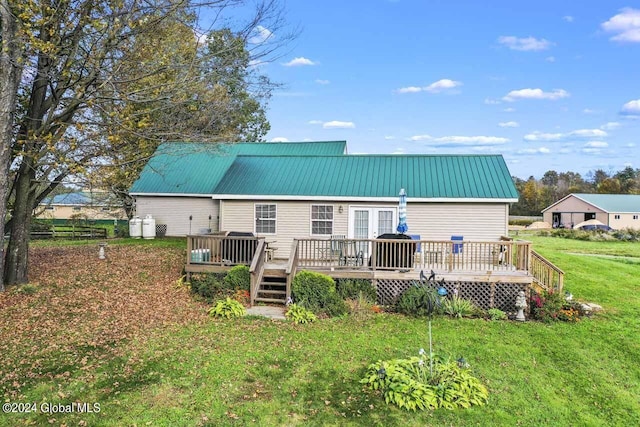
(159, 360)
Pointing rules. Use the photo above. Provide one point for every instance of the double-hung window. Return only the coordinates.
(265, 219)
(321, 220)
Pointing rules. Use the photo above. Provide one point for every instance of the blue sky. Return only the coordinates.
(547, 84)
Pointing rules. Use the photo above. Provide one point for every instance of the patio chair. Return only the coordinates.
(350, 254)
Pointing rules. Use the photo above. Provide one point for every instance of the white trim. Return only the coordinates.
(333, 217)
(373, 219)
(394, 199)
(170, 195)
(255, 220)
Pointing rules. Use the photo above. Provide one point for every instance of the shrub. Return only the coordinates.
(354, 288)
(418, 300)
(28, 289)
(546, 306)
(317, 292)
(238, 278)
(496, 314)
(298, 314)
(227, 308)
(412, 384)
(455, 306)
(210, 286)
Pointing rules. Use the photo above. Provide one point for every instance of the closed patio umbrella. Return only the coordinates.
(402, 213)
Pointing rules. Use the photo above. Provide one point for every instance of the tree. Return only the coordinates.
(85, 79)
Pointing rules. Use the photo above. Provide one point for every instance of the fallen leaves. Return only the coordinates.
(86, 309)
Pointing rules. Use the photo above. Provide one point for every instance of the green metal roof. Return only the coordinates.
(196, 168)
(370, 176)
(621, 203)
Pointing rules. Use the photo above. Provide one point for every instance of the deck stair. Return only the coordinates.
(273, 287)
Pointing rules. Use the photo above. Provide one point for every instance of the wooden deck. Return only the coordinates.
(486, 262)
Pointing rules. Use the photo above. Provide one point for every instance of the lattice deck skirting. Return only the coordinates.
(483, 294)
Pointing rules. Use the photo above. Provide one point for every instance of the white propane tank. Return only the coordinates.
(149, 227)
(135, 227)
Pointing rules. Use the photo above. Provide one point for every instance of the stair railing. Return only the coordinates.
(256, 270)
(292, 266)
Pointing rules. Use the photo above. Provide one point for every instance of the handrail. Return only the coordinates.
(256, 270)
(292, 267)
(220, 250)
(545, 274)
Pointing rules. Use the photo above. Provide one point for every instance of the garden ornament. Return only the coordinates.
(521, 304)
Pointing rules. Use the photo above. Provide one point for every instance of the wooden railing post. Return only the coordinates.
(292, 267)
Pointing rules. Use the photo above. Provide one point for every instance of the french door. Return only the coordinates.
(369, 223)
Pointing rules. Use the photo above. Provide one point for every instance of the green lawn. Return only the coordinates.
(175, 366)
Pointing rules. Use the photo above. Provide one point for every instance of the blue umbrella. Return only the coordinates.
(402, 213)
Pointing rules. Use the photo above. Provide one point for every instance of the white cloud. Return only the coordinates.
(409, 89)
(510, 124)
(389, 137)
(279, 139)
(524, 43)
(550, 59)
(625, 26)
(315, 122)
(299, 61)
(597, 144)
(590, 111)
(322, 82)
(461, 140)
(575, 134)
(568, 18)
(336, 124)
(399, 150)
(435, 87)
(260, 35)
(610, 125)
(441, 85)
(631, 108)
(509, 110)
(535, 94)
(540, 150)
(491, 101)
(256, 63)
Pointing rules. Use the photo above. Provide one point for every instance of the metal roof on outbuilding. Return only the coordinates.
(370, 176)
(197, 168)
(610, 203)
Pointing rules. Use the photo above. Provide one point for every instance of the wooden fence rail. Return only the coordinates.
(545, 274)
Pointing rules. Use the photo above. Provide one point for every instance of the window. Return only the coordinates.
(50, 208)
(616, 217)
(77, 208)
(321, 219)
(266, 219)
(635, 217)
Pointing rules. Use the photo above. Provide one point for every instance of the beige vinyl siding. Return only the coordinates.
(175, 211)
(433, 221)
(572, 211)
(88, 212)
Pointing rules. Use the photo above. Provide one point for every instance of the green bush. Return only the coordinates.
(298, 314)
(496, 314)
(227, 308)
(209, 286)
(546, 306)
(317, 292)
(416, 384)
(455, 306)
(360, 308)
(354, 288)
(238, 278)
(418, 300)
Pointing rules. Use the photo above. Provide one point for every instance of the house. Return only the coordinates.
(283, 191)
(311, 205)
(85, 204)
(618, 211)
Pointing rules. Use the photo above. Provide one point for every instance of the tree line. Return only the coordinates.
(537, 194)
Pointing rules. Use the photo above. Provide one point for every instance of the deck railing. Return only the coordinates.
(292, 266)
(220, 250)
(386, 254)
(545, 274)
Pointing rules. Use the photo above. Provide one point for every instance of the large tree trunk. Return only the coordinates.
(18, 250)
(10, 72)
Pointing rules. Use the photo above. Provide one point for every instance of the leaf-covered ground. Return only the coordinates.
(85, 309)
